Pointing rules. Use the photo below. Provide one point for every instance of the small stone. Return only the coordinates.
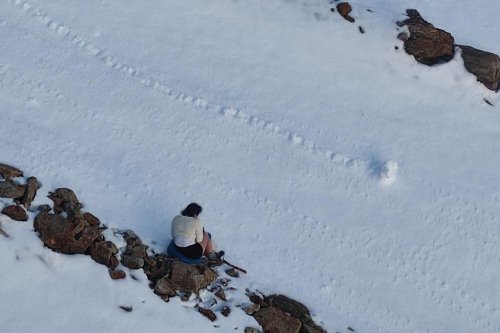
(344, 8)
(252, 330)
(361, 29)
(207, 313)
(351, 329)
(251, 309)
(226, 311)
(126, 308)
(221, 295)
(403, 36)
(233, 273)
(29, 192)
(16, 213)
(132, 262)
(117, 274)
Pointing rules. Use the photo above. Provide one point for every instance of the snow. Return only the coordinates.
(280, 119)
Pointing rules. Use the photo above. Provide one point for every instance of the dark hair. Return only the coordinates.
(192, 210)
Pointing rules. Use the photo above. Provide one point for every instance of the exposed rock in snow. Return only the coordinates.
(484, 65)
(428, 44)
(15, 212)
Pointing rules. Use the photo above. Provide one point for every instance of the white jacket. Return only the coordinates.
(186, 231)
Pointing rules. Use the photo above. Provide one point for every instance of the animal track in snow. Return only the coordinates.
(111, 61)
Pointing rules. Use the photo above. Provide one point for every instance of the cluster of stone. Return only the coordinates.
(69, 230)
(430, 45)
(22, 195)
(65, 228)
(280, 314)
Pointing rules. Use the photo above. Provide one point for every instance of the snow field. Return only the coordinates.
(146, 120)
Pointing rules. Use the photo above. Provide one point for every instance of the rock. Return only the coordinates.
(131, 238)
(184, 277)
(16, 213)
(132, 262)
(66, 235)
(296, 310)
(344, 8)
(226, 311)
(207, 313)
(10, 190)
(156, 267)
(126, 308)
(252, 330)
(44, 208)
(102, 252)
(288, 305)
(274, 320)
(164, 288)
(429, 45)
(139, 251)
(484, 65)
(233, 273)
(117, 274)
(91, 219)
(7, 172)
(29, 192)
(361, 29)
(65, 200)
(251, 309)
(221, 295)
(403, 36)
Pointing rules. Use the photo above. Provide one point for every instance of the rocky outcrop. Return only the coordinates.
(66, 229)
(484, 65)
(428, 44)
(65, 234)
(16, 213)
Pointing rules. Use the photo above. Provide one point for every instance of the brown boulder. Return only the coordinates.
(66, 235)
(10, 190)
(7, 172)
(29, 192)
(274, 320)
(429, 45)
(184, 278)
(344, 8)
(65, 200)
(102, 252)
(484, 65)
(117, 274)
(16, 213)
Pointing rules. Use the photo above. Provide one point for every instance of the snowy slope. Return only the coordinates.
(277, 117)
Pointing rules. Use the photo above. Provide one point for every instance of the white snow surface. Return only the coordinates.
(277, 117)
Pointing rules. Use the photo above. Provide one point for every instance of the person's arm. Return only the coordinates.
(199, 232)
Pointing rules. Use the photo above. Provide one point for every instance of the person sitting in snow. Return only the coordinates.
(189, 236)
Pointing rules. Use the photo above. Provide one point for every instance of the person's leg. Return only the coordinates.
(206, 244)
